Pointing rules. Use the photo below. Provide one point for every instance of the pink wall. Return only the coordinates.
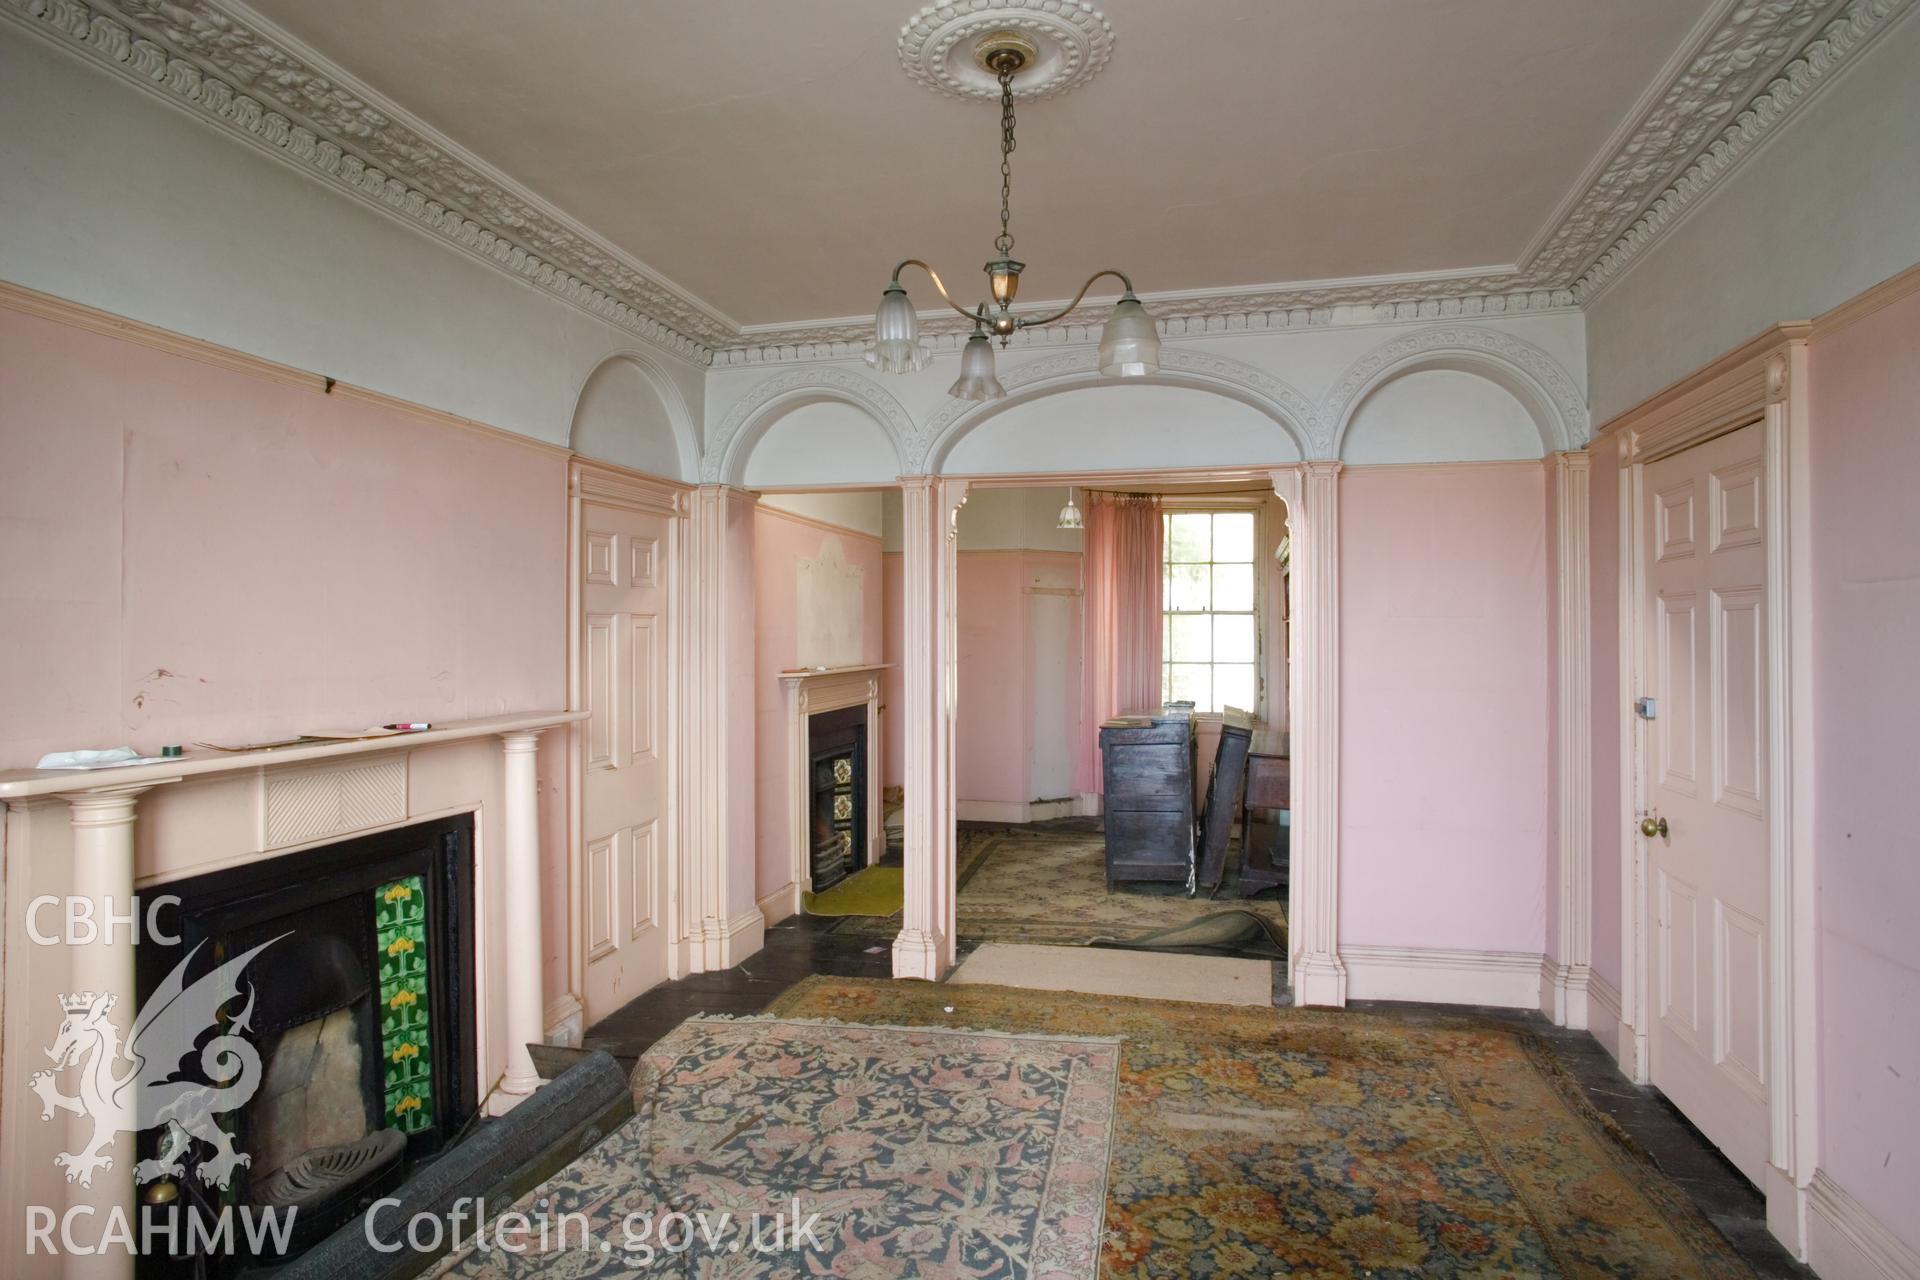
(1865, 439)
(998, 697)
(1608, 704)
(993, 747)
(1444, 707)
(992, 725)
(780, 541)
(193, 553)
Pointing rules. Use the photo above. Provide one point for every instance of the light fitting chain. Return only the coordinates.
(1004, 241)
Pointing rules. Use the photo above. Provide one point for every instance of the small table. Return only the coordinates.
(1264, 844)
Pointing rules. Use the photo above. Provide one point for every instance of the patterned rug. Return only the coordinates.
(924, 1152)
(1332, 1144)
(1051, 887)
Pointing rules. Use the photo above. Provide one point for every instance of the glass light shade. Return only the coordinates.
(1070, 514)
(896, 335)
(976, 380)
(1003, 278)
(1129, 344)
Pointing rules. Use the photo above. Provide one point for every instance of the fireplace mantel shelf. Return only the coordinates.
(21, 784)
(803, 674)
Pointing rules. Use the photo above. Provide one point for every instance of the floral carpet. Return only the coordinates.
(1050, 887)
(1333, 1144)
(924, 1152)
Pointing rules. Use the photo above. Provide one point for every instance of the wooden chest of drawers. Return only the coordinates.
(1147, 763)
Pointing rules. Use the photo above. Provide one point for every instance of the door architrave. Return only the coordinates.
(1310, 493)
(605, 484)
(1764, 381)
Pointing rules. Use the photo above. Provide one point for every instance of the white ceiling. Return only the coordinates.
(774, 159)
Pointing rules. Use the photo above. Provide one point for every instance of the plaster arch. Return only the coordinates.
(1550, 396)
(604, 406)
(1079, 369)
(764, 405)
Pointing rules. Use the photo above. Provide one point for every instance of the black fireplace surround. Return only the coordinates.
(836, 795)
(325, 978)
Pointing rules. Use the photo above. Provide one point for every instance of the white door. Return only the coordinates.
(623, 664)
(1705, 656)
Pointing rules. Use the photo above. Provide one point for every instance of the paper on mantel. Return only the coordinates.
(110, 758)
(307, 740)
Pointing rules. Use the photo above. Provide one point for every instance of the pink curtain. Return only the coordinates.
(1120, 670)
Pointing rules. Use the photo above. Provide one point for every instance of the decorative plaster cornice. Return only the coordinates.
(1750, 66)
(1185, 314)
(1838, 43)
(1741, 44)
(228, 69)
(1314, 427)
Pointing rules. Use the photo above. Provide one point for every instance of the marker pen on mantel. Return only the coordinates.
(413, 727)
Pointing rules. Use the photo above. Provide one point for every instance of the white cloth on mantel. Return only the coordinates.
(110, 758)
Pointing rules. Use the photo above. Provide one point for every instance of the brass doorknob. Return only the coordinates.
(1651, 826)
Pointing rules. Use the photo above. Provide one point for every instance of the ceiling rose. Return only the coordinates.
(1070, 38)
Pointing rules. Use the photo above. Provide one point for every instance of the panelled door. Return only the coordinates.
(1704, 653)
(623, 666)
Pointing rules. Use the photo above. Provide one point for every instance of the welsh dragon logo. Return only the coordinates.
(146, 1094)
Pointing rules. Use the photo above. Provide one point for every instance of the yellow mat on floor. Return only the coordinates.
(1096, 971)
(876, 891)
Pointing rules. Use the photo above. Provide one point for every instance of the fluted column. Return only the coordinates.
(103, 870)
(720, 912)
(1571, 961)
(520, 887)
(930, 505)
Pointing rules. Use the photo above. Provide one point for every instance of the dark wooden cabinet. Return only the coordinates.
(1147, 763)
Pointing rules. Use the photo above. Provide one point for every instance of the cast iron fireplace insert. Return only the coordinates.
(363, 1011)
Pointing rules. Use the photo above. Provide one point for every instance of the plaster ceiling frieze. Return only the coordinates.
(1178, 316)
(1715, 109)
(1752, 40)
(1504, 352)
(1757, 64)
(1836, 45)
(308, 136)
(269, 64)
(797, 387)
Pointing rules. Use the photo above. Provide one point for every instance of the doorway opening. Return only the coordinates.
(1154, 605)
(823, 730)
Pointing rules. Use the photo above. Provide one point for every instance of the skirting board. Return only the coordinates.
(746, 934)
(1015, 811)
(1603, 1019)
(778, 905)
(1503, 979)
(566, 1022)
(1564, 993)
(1845, 1242)
(728, 944)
